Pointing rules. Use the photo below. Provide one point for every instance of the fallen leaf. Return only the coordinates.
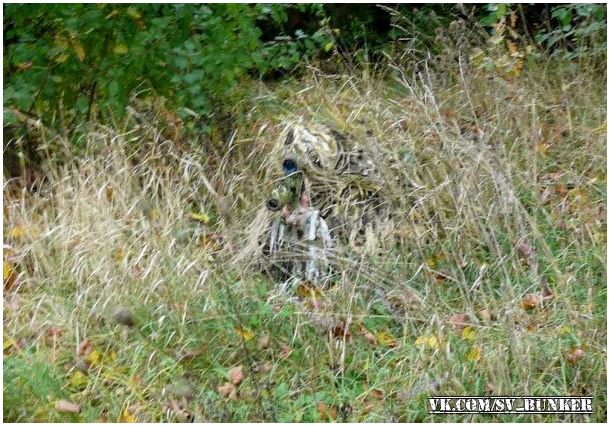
(459, 322)
(64, 406)
(340, 332)
(236, 375)
(94, 358)
(469, 333)
(9, 275)
(285, 351)
(119, 255)
(322, 410)
(531, 301)
(263, 368)
(264, 341)
(245, 333)
(9, 343)
(78, 379)
(485, 315)
(377, 393)
(54, 332)
(109, 192)
(474, 354)
(228, 390)
(306, 290)
(84, 348)
(126, 417)
(561, 190)
(440, 278)
(200, 217)
(17, 232)
(385, 339)
(368, 336)
(575, 355)
(189, 354)
(333, 412)
(427, 342)
(326, 413)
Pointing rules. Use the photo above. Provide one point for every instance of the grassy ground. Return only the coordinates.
(123, 302)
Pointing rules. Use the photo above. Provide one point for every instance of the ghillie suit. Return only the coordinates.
(330, 198)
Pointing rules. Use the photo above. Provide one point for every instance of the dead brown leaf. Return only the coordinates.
(322, 410)
(228, 390)
(325, 412)
(64, 406)
(188, 354)
(333, 412)
(368, 336)
(264, 341)
(285, 351)
(236, 374)
(486, 315)
(263, 368)
(459, 322)
(575, 355)
(109, 192)
(340, 332)
(84, 348)
(307, 290)
(531, 301)
(377, 393)
(54, 333)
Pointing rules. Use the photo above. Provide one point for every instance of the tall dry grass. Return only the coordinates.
(497, 191)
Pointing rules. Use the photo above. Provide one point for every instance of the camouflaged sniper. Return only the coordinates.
(330, 190)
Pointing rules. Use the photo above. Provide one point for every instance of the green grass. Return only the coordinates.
(111, 228)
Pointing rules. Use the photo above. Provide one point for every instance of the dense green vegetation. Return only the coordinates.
(139, 147)
(68, 63)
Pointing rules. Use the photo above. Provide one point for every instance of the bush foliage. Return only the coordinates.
(68, 64)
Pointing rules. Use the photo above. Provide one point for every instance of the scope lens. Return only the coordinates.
(289, 166)
(273, 204)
